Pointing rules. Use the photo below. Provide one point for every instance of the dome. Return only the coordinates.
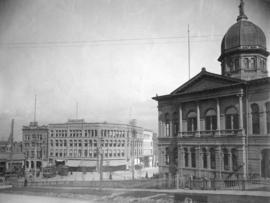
(243, 35)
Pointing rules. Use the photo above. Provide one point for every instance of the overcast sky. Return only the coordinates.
(110, 56)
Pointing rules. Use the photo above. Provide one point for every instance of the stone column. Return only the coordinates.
(159, 128)
(159, 123)
(264, 118)
(171, 129)
(198, 160)
(180, 121)
(218, 117)
(198, 120)
(180, 159)
(218, 161)
(240, 111)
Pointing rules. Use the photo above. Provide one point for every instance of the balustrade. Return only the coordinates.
(211, 133)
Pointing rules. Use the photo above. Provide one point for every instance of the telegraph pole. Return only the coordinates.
(133, 134)
(188, 54)
(100, 161)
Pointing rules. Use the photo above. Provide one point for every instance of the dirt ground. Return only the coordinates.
(92, 195)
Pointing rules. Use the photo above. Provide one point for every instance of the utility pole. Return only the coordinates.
(100, 160)
(133, 135)
(35, 110)
(11, 142)
(35, 161)
(188, 54)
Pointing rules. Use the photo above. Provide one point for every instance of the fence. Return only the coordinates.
(156, 183)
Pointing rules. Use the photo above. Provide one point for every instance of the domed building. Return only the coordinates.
(243, 50)
(218, 126)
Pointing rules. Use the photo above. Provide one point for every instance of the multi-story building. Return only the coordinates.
(81, 144)
(35, 145)
(148, 148)
(219, 125)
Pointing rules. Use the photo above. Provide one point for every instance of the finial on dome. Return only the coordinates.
(242, 14)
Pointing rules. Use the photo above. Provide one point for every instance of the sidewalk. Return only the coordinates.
(175, 191)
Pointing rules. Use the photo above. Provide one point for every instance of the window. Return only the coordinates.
(186, 157)
(225, 159)
(212, 158)
(231, 119)
(204, 151)
(252, 63)
(175, 124)
(192, 121)
(211, 120)
(85, 152)
(234, 159)
(255, 118)
(167, 156)
(246, 63)
(193, 157)
(263, 64)
(70, 143)
(167, 125)
(267, 106)
(70, 152)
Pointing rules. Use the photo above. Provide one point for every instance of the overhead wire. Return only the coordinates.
(103, 42)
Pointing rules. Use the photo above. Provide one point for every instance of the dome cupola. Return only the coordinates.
(243, 49)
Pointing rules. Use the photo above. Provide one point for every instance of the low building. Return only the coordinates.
(81, 144)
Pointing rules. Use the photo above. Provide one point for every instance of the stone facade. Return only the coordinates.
(82, 144)
(35, 146)
(218, 126)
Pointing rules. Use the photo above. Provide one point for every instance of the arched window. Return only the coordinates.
(234, 159)
(175, 124)
(255, 118)
(192, 121)
(267, 107)
(231, 119)
(212, 158)
(246, 63)
(193, 157)
(167, 156)
(211, 120)
(167, 125)
(252, 63)
(204, 153)
(175, 156)
(225, 159)
(186, 157)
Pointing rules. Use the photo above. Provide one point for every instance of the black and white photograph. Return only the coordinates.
(134, 101)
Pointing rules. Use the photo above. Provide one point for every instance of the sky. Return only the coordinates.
(109, 56)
